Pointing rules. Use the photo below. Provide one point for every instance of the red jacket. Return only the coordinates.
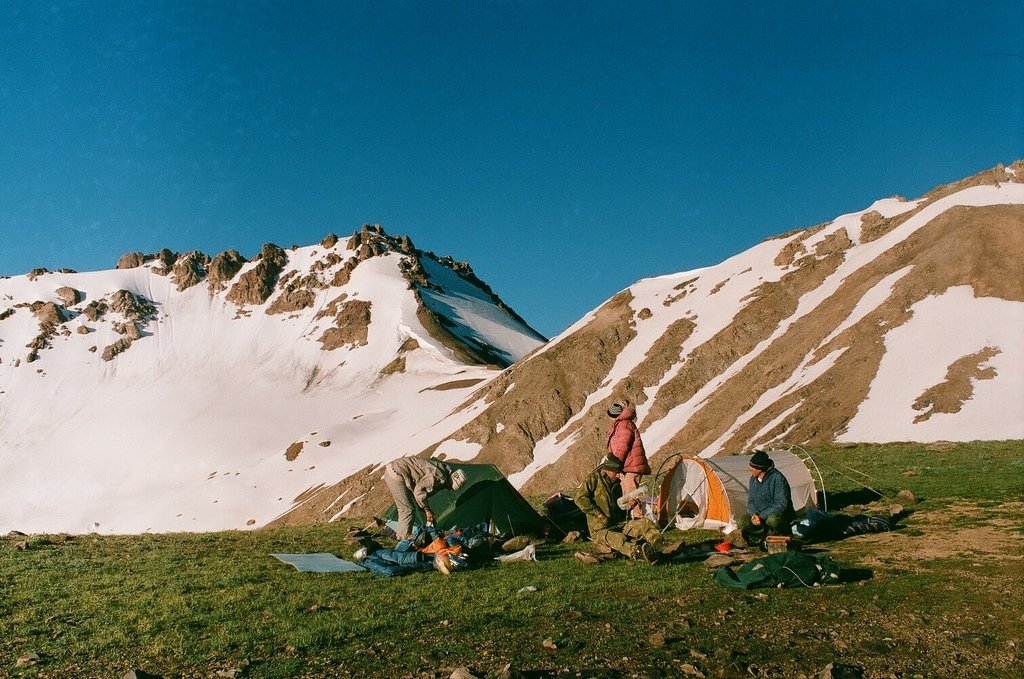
(624, 443)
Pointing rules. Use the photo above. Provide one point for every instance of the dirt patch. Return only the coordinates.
(456, 384)
(992, 534)
(292, 452)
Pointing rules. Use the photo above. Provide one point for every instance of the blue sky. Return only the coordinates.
(564, 149)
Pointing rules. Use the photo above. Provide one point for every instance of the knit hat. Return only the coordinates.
(615, 410)
(612, 464)
(458, 478)
(761, 461)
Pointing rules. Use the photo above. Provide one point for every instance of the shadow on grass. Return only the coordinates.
(855, 575)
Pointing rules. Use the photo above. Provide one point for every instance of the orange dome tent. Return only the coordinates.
(712, 492)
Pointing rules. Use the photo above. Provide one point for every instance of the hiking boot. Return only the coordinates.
(587, 558)
(673, 548)
(646, 553)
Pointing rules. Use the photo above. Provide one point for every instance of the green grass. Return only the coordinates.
(190, 605)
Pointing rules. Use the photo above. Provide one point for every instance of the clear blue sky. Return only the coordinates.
(564, 149)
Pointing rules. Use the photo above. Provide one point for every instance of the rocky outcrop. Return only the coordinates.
(223, 268)
(133, 307)
(257, 285)
(130, 260)
(351, 326)
(95, 309)
(69, 296)
(292, 300)
(118, 347)
(48, 312)
(189, 269)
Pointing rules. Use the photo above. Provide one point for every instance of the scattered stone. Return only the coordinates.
(657, 639)
(895, 509)
(833, 671)
(689, 669)
(718, 560)
(130, 260)
(550, 644)
(118, 347)
(21, 545)
(16, 534)
(571, 536)
(462, 673)
(507, 672)
(906, 498)
(27, 659)
(141, 674)
(69, 296)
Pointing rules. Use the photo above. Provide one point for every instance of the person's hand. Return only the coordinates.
(430, 517)
(755, 519)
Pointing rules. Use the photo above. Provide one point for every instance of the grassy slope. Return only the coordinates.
(190, 605)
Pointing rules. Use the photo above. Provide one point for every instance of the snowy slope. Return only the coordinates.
(188, 428)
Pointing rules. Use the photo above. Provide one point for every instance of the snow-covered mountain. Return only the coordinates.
(902, 322)
(184, 393)
(190, 393)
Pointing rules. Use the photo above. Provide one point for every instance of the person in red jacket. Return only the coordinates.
(625, 444)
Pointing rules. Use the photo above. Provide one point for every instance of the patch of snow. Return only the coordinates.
(916, 358)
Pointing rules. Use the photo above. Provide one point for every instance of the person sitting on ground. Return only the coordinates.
(411, 481)
(624, 443)
(769, 502)
(597, 497)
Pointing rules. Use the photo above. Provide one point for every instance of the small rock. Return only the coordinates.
(27, 659)
(140, 674)
(462, 673)
(550, 644)
(21, 545)
(250, 522)
(571, 536)
(833, 671)
(906, 498)
(718, 560)
(697, 655)
(687, 668)
(657, 639)
(528, 588)
(895, 509)
(508, 673)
